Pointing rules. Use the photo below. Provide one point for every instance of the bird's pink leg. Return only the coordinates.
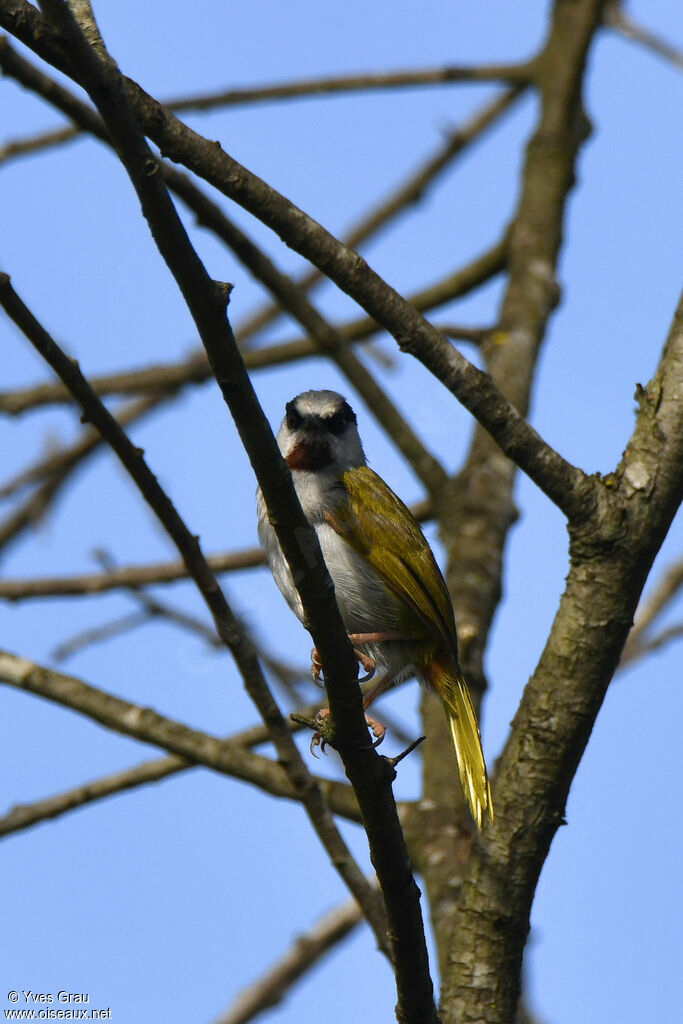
(366, 661)
(378, 730)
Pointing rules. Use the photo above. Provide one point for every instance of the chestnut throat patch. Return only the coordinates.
(310, 455)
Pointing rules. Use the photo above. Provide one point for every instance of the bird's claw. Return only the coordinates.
(378, 730)
(316, 665)
(317, 739)
(367, 663)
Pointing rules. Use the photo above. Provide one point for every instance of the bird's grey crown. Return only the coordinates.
(323, 405)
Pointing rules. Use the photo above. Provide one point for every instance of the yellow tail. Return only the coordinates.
(464, 730)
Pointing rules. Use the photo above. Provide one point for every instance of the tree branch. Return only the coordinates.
(308, 949)
(408, 193)
(34, 143)
(644, 646)
(191, 747)
(56, 470)
(126, 576)
(307, 88)
(664, 592)
(611, 555)
(477, 510)
(630, 29)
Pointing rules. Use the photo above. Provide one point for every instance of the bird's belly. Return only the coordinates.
(366, 603)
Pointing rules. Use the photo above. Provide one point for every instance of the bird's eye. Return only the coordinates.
(294, 417)
(337, 423)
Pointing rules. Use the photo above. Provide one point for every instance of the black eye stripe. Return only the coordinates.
(337, 423)
(294, 417)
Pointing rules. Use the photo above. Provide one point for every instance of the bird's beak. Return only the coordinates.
(311, 425)
(311, 450)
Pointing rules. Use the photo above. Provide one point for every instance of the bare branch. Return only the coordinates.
(125, 577)
(228, 757)
(97, 634)
(611, 556)
(409, 192)
(664, 592)
(35, 143)
(57, 469)
(642, 647)
(307, 950)
(475, 335)
(630, 29)
(166, 379)
(49, 139)
(128, 577)
(511, 74)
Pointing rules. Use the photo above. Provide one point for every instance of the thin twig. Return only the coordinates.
(640, 648)
(97, 634)
(151, 608)
(649, 611)
(57, 470)
(306, 951)
(475, 335)
(125, 577)
(630, 29)
(292, 90)
(36, 143)
(665, 590)
(306, 88)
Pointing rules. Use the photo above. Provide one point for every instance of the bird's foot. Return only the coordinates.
(378, 731)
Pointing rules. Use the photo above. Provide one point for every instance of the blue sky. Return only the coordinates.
(162, 903)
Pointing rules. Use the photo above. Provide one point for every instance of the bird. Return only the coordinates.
(389, 589)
